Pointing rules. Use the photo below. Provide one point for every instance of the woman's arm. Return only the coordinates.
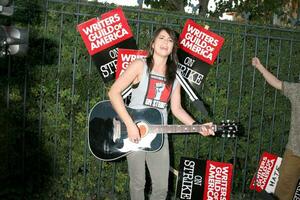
(270, 78)
(183, 116)
(131, 75)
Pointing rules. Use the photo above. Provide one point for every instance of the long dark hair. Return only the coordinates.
(172, 59)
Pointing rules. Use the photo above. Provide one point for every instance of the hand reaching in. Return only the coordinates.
(256, 62)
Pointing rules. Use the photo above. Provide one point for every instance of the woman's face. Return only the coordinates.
(163, 44)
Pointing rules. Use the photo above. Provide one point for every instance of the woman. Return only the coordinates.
(157, 86)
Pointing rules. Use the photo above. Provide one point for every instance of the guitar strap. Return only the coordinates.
(198, 103)
(127, 92)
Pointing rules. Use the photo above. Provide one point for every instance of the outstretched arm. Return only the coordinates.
(183, 116)
(270, 78)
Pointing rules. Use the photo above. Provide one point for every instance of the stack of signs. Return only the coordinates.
(102, 38)
(267, 175)
(125, 57)
(199, 179)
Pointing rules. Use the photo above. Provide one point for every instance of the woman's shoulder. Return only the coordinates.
(139, 63)
(137, 66)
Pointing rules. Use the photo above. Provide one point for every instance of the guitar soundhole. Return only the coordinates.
(143, 129)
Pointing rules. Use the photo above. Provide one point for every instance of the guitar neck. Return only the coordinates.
(176, 128)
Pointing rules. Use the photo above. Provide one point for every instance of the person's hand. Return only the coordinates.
(256, 62)
(207, 129)
(133, 133)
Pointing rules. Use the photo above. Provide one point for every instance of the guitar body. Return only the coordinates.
(108, 143)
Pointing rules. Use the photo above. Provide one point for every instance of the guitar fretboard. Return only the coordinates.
(176, 128)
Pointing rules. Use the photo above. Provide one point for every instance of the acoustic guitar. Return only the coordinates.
(107, 135)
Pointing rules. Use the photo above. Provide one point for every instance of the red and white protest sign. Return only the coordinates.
(217, 181)
(103, 37)
(199, 42)
(267, 175)
(126, 56)
(110, 29)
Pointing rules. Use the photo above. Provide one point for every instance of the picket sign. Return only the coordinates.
(103, 36)
(267, 174)
(204, 179)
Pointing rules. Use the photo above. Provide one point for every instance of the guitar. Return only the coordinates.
(107, 136)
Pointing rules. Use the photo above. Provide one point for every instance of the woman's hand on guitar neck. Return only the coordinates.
(133, 133)
(207, 129)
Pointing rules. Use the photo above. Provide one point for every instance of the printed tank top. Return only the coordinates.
(152, 92)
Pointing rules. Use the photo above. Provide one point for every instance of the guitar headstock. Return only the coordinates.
(228, 129)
